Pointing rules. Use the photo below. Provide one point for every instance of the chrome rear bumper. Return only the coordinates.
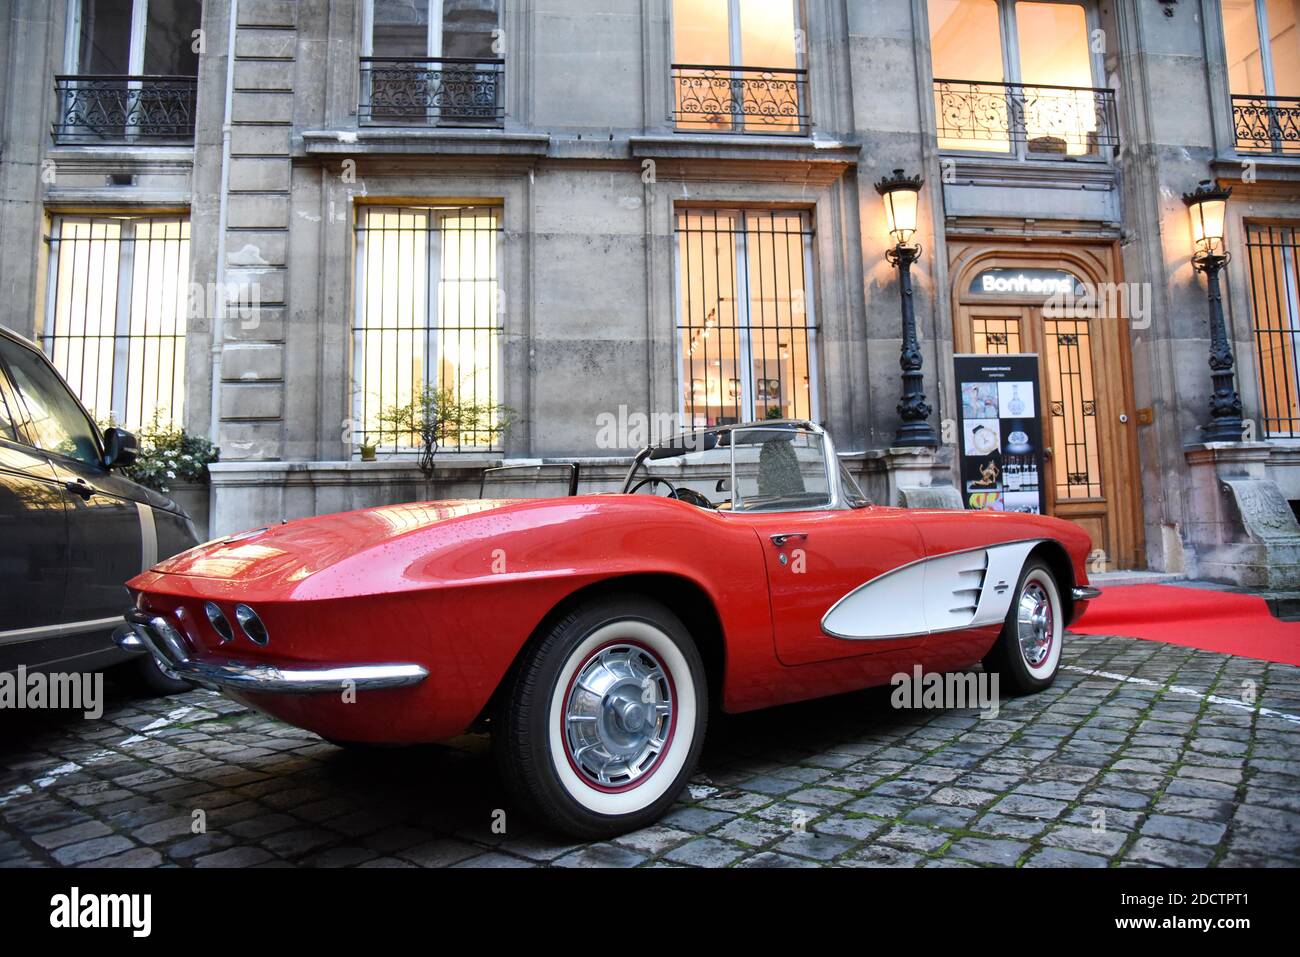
(153, 634)
(1084, 593)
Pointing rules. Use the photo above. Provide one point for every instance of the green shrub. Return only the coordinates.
(168, 454)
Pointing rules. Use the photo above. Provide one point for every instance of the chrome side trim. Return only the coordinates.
(1084, 593)
(55, 631)
(171, 651)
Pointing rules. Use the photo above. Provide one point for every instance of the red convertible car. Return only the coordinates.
(740, 567)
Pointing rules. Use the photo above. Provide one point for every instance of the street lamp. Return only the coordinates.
(1208, 206)
(901, 194)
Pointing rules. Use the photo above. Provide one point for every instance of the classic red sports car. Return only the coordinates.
(741, 566)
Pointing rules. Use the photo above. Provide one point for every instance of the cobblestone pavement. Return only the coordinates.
(1168, 770)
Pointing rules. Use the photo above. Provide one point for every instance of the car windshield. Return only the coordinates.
(772, 468)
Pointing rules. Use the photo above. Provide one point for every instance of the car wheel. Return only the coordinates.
(1028, 651)
(604, 720)
(148, 679)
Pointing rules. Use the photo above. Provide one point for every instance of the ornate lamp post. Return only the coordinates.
(901, 194)
(1208, 208)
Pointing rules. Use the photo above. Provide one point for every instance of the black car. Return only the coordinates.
(72, 531)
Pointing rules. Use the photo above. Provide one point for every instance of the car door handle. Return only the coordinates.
(783, 537)
(79, 487)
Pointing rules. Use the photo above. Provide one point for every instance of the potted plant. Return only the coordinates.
(438, 415)
(367, 448)
(175, 462)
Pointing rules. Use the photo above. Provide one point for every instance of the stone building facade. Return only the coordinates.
(273, 221)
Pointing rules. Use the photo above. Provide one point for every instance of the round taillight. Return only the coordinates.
(219, 622)
(251, 624)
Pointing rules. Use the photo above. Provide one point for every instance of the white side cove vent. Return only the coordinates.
(946, 593)
(959, 578)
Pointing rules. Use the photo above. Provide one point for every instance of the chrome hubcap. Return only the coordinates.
(619, 715)
(1035, 621)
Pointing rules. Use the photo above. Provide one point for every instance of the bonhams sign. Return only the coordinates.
(1026, 282)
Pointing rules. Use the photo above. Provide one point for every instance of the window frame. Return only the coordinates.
(1009, 41)
(433, 51)
(1269, 412)
(433, 30)
(139, 27)
(737, 67)
(72, 40)
(1265, 39)
(433, 330)
(744, 350)
(735, 32)
(120, 393)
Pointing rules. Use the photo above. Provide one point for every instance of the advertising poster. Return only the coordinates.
(1001, 434)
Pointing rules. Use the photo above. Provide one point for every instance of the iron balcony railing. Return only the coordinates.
(114, 110)
(1027, 119)
(432, 91)
(734, 99)
(1266, 124)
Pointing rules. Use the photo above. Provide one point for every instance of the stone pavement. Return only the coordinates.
(1093, 772)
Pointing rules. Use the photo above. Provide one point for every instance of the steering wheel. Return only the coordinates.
(652, 481)
(687, 495)
(692, 497)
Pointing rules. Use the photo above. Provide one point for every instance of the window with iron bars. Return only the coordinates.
(117, 303)
(428, 314)
(746, 324)
(1275, 303)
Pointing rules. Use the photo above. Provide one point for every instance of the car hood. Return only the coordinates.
(294, 550)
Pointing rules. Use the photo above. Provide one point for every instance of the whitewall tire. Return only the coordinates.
(1027, 654)
(605, 717)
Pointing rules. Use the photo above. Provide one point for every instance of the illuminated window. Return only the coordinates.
(1262, 41)
(1067, 347)
(116, 309)
(427, 314)
(746, 326)
(996, 336)
(737, 66)
(1017, 76)
(1275, 299)
(1263, 46)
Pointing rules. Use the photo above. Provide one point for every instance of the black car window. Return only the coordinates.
(54, 419)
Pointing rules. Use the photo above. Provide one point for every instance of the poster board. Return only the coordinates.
(1000, 432)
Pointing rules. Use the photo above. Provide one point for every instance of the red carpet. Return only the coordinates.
(1225, 622)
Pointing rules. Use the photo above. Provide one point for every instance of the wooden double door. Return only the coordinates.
(1086, 405)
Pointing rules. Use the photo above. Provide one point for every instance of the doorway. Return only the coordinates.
(1003, 303)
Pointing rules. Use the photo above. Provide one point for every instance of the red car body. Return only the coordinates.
(458, 589)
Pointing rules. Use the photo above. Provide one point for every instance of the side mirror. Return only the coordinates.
(724, 485)
(120, 448)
